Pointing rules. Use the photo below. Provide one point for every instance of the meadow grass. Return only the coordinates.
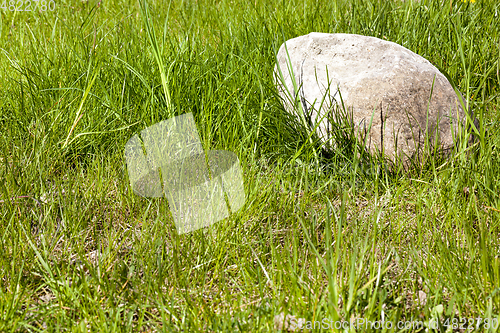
(341, 240)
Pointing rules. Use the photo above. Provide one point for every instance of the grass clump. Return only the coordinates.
(341, 240)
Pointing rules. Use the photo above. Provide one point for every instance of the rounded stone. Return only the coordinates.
(396, 101)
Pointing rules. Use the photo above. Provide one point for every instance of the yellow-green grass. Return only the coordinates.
(323, 235)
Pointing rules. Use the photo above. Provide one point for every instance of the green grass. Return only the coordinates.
(341, 239)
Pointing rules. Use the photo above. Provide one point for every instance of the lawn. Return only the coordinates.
(329, 240)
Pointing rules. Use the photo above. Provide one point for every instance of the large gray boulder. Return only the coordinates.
(379, 82)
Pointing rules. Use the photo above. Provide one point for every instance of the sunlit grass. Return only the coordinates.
(322, 234)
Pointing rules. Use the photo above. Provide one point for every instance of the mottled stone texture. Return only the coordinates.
(374, 78)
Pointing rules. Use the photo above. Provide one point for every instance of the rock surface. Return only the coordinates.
(379, 82)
